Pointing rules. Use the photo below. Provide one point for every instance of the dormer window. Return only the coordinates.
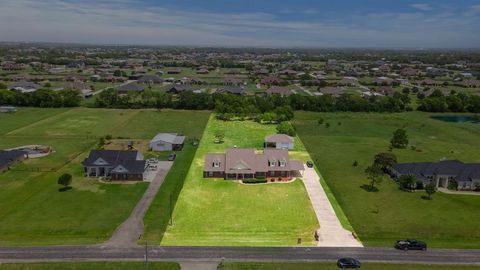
(282, 163)
(216, 163)
(272, 163)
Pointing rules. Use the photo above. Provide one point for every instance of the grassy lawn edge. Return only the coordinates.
(333, 201)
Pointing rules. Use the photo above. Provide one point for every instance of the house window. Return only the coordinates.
(282, 163)
(272, 163)
(210, 173)
(216, 163)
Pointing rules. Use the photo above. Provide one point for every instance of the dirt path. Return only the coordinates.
(128, 233)
(332, 234)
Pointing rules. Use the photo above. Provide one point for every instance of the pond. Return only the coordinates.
(458, 118)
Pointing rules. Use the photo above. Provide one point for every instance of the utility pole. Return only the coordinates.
(171, 210)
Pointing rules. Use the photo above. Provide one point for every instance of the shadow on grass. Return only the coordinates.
(425, 197)
(369, 188)
(63, 189)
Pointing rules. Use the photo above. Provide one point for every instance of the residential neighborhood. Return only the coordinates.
(239, 135)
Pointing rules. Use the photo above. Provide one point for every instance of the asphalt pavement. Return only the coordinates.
(253, 254)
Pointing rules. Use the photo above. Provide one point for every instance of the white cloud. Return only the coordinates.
(422, 6)
(123, 22)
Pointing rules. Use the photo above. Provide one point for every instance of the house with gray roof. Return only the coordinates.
(24, 87)
(441, 174)
(150, 79)
(279, 90)
(130, 87)
(11, 157)
(333, 91)
(115, 165)
(167, 142)
(279, 141)
(245, 163)
(236, 90)
(179, 88)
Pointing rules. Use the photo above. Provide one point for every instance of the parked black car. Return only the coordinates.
(410, 244)
(348, 263)
(309, 164)
(172, 156)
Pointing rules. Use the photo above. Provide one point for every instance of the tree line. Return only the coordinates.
(44, 98)
(272, 108)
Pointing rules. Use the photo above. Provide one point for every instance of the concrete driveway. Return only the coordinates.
(331, 233)
(127, 234)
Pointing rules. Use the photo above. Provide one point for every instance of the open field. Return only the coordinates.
(34, 212)
(24, 117)
(332, 266)
(219, 212)
(90, 266)
(380, 218)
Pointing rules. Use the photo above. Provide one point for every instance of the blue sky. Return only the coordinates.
(233, 23)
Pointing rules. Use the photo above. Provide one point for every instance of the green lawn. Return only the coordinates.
(78, 122)
(380, 218)
(147, 123)
(219, 212)
(34, 212)
(332, 266)
(90, 266)
(25, 116)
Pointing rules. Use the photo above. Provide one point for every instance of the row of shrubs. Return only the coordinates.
(255, 181)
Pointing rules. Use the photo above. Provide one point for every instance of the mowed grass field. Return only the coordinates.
(331, 266)
(33, 211)
(219, 212)
(380, 218)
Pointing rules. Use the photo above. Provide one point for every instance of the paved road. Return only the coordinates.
(258, 254)
(127, 234)
(331, 232)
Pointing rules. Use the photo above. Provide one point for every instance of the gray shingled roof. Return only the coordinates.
(172, 138)
(6, 157)
(461, 171)
(280, 90)
(279, 138)
(131, 87)
(113, 158)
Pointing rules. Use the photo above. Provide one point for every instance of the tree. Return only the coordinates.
(408, 181)
(375, 175)
(430, 190)
(65, 180)
(219, 135)
(285, 128)
(399, 139)
(385, 161)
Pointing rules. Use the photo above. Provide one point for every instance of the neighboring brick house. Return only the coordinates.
(440, 174)
(244, 163)
(115, 165)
